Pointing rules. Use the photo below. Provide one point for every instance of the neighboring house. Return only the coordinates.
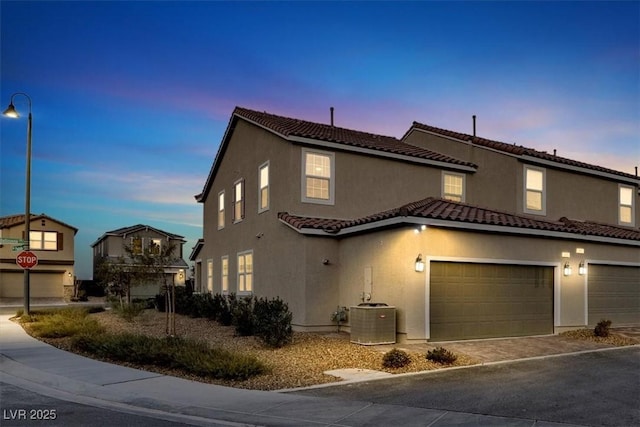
(466, 237)
(52, 241)
(111, 246)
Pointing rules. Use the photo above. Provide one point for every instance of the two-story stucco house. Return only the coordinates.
(52, 241)
(464, 236)
(110, 247)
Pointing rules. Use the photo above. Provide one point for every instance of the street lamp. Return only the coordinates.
(11, 112)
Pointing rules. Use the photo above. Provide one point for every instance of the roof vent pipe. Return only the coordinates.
(636, 171)
(474, 125)
(554, 152)
(331, 111)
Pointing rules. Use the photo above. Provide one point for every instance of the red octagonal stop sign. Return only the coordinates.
(27, 259)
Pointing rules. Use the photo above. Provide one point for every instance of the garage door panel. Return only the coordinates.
(496, 300)
(614, 294)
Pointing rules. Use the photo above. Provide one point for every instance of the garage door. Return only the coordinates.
(41, 285)
(469, 300)
(614, 294)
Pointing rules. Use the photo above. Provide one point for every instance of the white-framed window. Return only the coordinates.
(238, 200)
(318, 177)
(224, 272)
(221, 210)
(535, 190)
(136, 245)
(626, 208)
(210, 275)
(245, 272)
(44, 240)
(453, 186)
(154, 246)
(263, 187)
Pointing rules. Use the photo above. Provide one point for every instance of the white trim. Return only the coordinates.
(633, 206)
(464, 185)
(268, 187)
(543, 195)
(332, 177)
(218, 210)
(588, 263)
(556, 281)
(244, 254)
(379, 153)
(464, 226)
(558, 165)
(222, 259)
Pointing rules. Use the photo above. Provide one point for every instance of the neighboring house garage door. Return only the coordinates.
(614, 294)
(41, 285)
(469, 300)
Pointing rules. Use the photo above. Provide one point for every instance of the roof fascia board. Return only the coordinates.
(379, 153)
(466, 226)
(504, 153)
(551, 163)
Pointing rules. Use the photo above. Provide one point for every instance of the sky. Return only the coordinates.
(130, 100)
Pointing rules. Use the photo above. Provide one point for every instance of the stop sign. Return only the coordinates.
(27, 259)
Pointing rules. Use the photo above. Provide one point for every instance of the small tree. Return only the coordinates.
(117, 276)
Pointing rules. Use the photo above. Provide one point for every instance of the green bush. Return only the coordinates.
(441, 355)
(395, 358)
(193, 357)
(223, 304)
(273, 322)
(242, 316)
(602, 328)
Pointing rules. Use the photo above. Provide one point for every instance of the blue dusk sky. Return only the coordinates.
(131, 99)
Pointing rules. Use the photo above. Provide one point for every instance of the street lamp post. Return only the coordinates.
(11, 112)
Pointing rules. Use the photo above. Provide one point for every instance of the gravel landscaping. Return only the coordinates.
(299, 364)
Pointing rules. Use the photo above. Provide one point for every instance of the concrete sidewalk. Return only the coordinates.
(30, 364)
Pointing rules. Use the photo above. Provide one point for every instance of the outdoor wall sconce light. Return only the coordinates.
(69, 273)
(180, 274)
(419, 264)
(582, 269)
(567, 269)
(326, 261)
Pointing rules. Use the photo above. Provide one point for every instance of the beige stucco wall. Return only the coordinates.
(55, 269)
(391, 255)
(499, 183)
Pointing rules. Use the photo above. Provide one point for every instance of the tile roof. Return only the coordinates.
(515, 149)
(446, 210)
(290, 127)
(133, 229)
(12, 220)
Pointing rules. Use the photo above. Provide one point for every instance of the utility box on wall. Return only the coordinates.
(373, 323)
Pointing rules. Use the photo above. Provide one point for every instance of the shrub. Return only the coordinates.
(602, 328)
(242, 316)
(129, 311)
(395, 358)
(223, 304)
(441, 355)
(67, 322)
(273, 322)
(193, 357)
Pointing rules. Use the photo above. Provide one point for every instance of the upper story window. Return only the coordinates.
(626, 211)
(44, 240)
(263, 187)
(136, 245)
(154, 246)
(245, 272)
(318, 181)
(534, 190)
(225, 274)
(221, 210)
(453, 186)
(238, 201)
